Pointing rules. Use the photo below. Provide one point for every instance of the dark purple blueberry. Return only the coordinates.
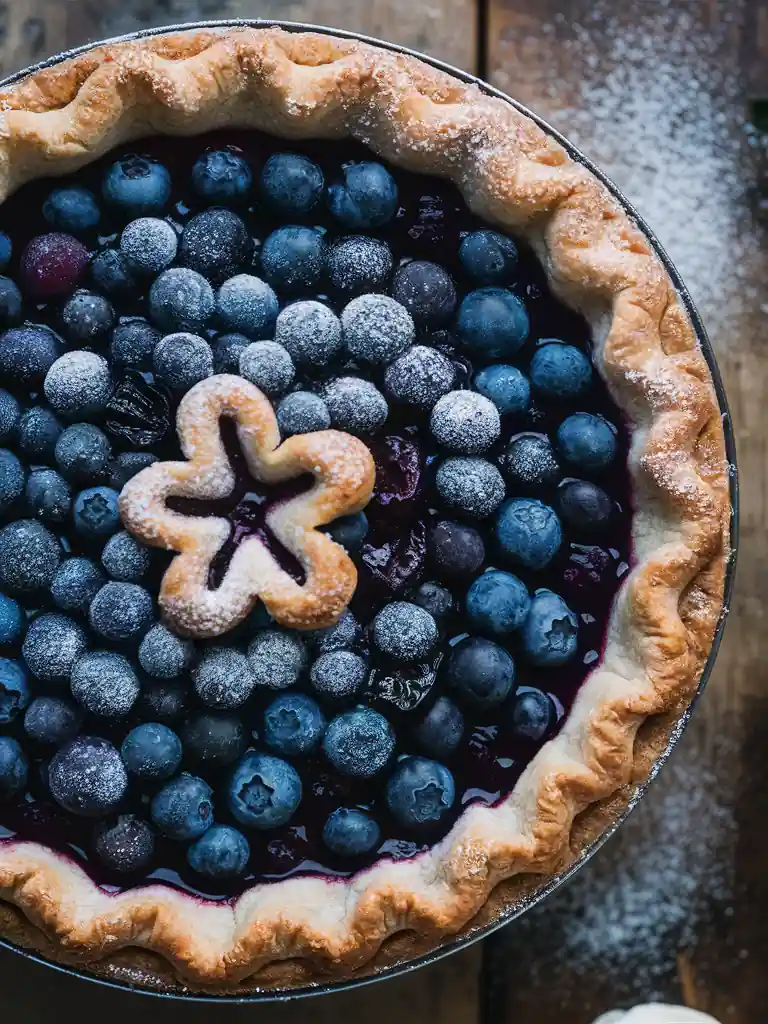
(455, 550)
(268, 365)
(104, 683)
(27, 353)
(149, 244)
(465, 421)
(82, 452)
(497, 603)
(10, 416)
(165, 655)
(427, 292)
(78, 385)
(14, 768)
(420, 377)
(358, 264)
(223, 679)
(113, 275)
(394, 565)
(435, 599)
(87, 777)
(72, 208)
(125, 845)
(52, 266)
(125, 559)
(121, 612)
(404, 631)
(400, 689)
(338, 675)
(221, 853)
(310, 332)
(12, 475)
(507, 387)
(29, 557)
(420, 793)
(37, 433)
(76, 583)
(366, 199)
(587, 441)
(530, 464)
(163, 701)
(440, 731)
(277, 658)
(13, 621)
(302, 412)
(532, 715)
(221, 176)
(151, 751)
(584, 506)
(227, 349)
(492, 323)
(293, 725)
(359, 743)
(560, 373)
(180, 299)
(528, 532)
(488, 257)
(470, 485)
(95, 513)
(293, 258)
(214, 738)
(349, 531)
(480, 672)
(133, 343)
(138, 413)
(376, 329)
(350, 832)
(183, 808)
(86, 318)
(10, 303)
(14, 690)
(263, 792)
(137, 185)
(550, 634)
(52, 721)
(247, 304)
(291, 184)
(53, 644)
(216, 244)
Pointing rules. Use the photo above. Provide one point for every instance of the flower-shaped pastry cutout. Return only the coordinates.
(344, 476)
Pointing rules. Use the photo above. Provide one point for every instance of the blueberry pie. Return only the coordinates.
(362, 494)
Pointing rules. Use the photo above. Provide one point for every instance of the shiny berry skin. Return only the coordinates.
(338, 676)
(37, 434)
(441, 730)
(216, 244)
(291, 184)
(27, 353)
(6, 250)
(14, 768)
(359, 743)
(151, 751)
(13, 621)
(214, 738)
(183, 808)
(52, 266)
(404, 631)
(182, 360)
(434, 599)
(223, 852)
(584, 506)
(163, 654)
(221, 176)
(420, 793)
(550, 633)
(149, 244)
(528, 532)
(349, 531)
(455, 550)
(497, 603)
(532, 715)
(349, 832)
(293, 725)
(53, 644)
(529, 464)
(263, 791)
(124, 845)
(76, 583)
(507, 388)
(104, 683)
(11, 480)
(137, 185)
(82, 452)
(78, 385)
(72, 209)
(10, 303)
(14, 690)
(587, 442)
(29, 557)
(246, 304)
(52, 721)
(367, 198)
(488, 257)
(180, 299)
(293, 258)
(480, 672)
(113, 275)
(121, 611)
(492, 323)
(87, 777)
(10, 416)
(133, 343)
(223, 678)
(302, 412)
(96, 513)
(358, 264)
(560, 372)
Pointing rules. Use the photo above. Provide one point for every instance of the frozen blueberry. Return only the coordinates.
(133, 343)
(434, 599)
(125, 559)
(465, 421)
(223, 678)
(126, 465)
(163, 654)
(349, 531)
(277, 658)
(183, 808)
(29, 557)
(420, 792)
(302, 413)
(124, 845)
(293, 258)
(10, 303)
(350, 832)
(338, 675)
(112, 274)
(227, 349)
(82, 452)
(455, 550)
(293, 724)
(14, 690)
(584, 506)
(182, 360)
(52, 266)
(181, 300)
(497, 603)
(221, 176)
(96, 513)
(151, 751)
(550, 633)
(121, 611)
(355, 405)
(13, 621)
(27, 353)
(404, 631)
(10, 416)
(104, 683)
(87, 777)
(310, 331)
(137, 185)
(11, 480)
(507, 388)
(488, 257)
(79, 384)
(427, 292)
(165, 701)
(221, 853)
(560, 372)
(480, 672)
(532, 715)
(247, 304)
(528, 532)
(149, 245)
(263, 792)
(367, 198)
(359, 743)
(267, 365)
(86, 318)
(76, 583)
(359, 264)
(53, 644)
(440, 731)
(214, 738)
(14, 768)
(37, 434)
(492, 323)
(530, 464)
(420, 377)
(470, 485)
(6, 250)
(376, 328)
(291, 184)
(52, 721)
(215, 243)
(341, 637)
(587, 441)
(72, 209)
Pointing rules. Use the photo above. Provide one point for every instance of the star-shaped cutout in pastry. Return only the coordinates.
(344, 475)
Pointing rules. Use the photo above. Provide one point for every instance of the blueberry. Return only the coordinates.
(338, 675)
(359, 743)
(38, 432)
(163, 654)
(72, 209)
(221, 176)
(464, 421)
(121, 612)
(182, 360)
(435, 599)
(82, 452)
(14, 690)
(124, 845)
(492, 323)
(291, 184)
(79, 384)
(293, 725)
(14, 768)
(302, 413)
(530, 464)
(27, 353)
(247, 304)
(293, 258)
(497, 603)
(355, 405)
(163, 701)
(216, 244)
(104, 683)
(11, 480)
(29, 557)
(404, 631)
(52, 721)
(137, 185)
(349, 531)
(367, 199)
(376, 329)
(13, 622)
(52, 266)
(6, 250)
(420, 376)
(584, 506)
(507, 388)
(181, 300)
(214, 738)
(470, 485)
(341, 637)
(560, 372)
(53, 644)
(488, 257)
(358, 264)
(350, 832)
(550, 633)
(149, 245)
(310, 332)
(223, 678)
(427, 292)
(151, 751)
(87, 777)
(528, 532)
(10, 416)
(133, 343)
(277, 658)
(222, 852)
(10, 303)
(420, 792)
(455, 550)
(112, 274)
(76, 583)
(86, 318)
(267, 365)
(587, 441)
(183, 808)
(480, 672)
(227, 349)
(96, 513)
(532, 715)
(440, 731)
(125, 559)
(263, 792)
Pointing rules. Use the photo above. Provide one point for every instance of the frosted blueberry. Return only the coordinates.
(376, 328)
(227, 349)
(355, 405)
(163, 654)
(215, 243)
(310, 331)
(404, 631)
(340, 637)
(29, 557)
(125, 559)
(465, 421)
(78, 384)
(52, 646)
(426, 290)
(182, 360)
(86, 318)
(12, 476)
(10, 416)
(126, 465)
(420, 377)
(302, 413)
(133, 343)
(223, 678)
(338, 675)
(76, 583)
(52, 721)
(267, 365)
(82, 452)
(181, 300)
(358, 264)
(121, 611)
(277, 659)
(104, 683)
(124, 845)
(247, 304)
(471, 485)
(87, 777)
(28, 352)
(37, 434)
(529, 463)
(149, 244)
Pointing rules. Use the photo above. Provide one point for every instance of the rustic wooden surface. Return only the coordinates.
(657, 93)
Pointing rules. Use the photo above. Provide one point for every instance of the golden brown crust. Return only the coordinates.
(512, 174)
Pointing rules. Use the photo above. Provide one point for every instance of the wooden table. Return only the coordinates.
(658, 93)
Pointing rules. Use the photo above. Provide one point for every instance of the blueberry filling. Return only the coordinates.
(355, 296)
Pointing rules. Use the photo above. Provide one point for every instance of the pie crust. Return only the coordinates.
(513, 175)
